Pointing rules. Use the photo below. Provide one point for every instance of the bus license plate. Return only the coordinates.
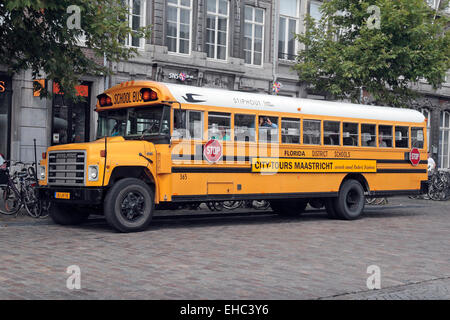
(62, 195)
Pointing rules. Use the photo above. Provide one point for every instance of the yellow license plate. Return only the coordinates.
(62, 195)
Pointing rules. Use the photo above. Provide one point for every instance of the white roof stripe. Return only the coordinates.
(265, 102)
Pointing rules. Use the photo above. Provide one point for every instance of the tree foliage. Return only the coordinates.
(345, 50)
(36, 35)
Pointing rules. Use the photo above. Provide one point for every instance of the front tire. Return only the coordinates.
(67, 215)
(129, 205)
(350, 203)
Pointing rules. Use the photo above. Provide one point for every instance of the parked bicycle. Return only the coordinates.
(18, 190)
(439, 185)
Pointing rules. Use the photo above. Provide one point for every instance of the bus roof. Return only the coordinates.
(265, 102)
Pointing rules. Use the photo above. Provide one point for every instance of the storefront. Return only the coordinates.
(5, 114)
(71, 119)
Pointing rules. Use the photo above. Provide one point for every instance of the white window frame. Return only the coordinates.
(178, 7)
(142, 22)
(297, 26)
(443, 130)
(218, 15)
(427, 113)
(253, 24)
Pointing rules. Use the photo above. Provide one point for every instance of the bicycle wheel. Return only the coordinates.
(31, 201)
(231, 205)
(260, 205)
(10, 203)
(371, 200)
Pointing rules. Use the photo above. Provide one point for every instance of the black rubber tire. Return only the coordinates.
(67, 215)
(330, 208)
(289, 208)
(354, 211)
(113, 202)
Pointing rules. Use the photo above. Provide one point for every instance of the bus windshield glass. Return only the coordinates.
(134, 123)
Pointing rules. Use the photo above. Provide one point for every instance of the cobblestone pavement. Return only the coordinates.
(234, 256)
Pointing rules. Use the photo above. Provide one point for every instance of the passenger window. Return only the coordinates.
(194, 129)
(268, 129)
(368, 135)
(244, 127)
(350, 134)
(385, 137)
(401, 137)
(417, 137)
(219, 126)
(331, 133)
(290, 130)
(311, 132)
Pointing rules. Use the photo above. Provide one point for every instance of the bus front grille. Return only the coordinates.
(66, 168)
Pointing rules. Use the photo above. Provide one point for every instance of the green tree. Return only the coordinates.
(350, 49)
(44, 36)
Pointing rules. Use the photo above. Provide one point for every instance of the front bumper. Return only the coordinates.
(93, 196)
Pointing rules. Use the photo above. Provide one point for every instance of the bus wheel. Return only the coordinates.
(289, 208)
(67, 215)
(129, 205)
(350, 203)
(331, 208)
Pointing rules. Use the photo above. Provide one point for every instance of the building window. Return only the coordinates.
(253, 35)
(136, 20)
(289, 16)
(179, 26)
(217, 29)
(314, 10)
(444, 140)
(427, 114)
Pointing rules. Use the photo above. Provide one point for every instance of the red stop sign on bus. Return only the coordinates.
(213, 151)
(414, 156)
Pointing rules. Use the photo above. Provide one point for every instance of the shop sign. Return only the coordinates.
(2, 86)
(181, 76)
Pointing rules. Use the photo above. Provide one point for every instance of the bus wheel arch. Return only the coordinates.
(138, 172)
(358, 177)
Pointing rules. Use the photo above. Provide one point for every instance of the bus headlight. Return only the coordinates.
(41, 173)
(93, 173)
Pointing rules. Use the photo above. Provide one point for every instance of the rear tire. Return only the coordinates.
(129, 205)
(289, 208)
(67, 215)
(350, 203)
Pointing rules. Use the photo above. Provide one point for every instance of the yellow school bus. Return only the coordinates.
(161, 145)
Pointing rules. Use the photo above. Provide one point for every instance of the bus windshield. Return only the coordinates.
(134, 123)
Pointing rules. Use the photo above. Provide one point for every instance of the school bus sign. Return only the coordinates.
(272, 165)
